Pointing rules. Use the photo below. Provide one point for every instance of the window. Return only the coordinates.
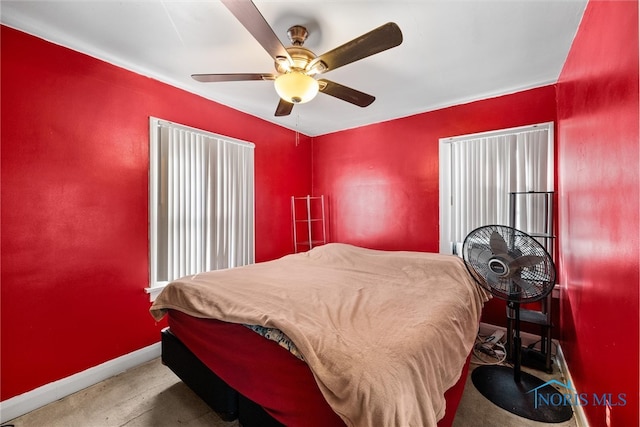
(477, 173)
(201, 202)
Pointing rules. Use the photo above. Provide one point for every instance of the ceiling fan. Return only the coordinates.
(297, 66)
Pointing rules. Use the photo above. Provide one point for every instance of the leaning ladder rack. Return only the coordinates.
(313, 218)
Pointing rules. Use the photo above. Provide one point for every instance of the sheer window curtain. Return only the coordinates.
(483, 170)
(201, 202)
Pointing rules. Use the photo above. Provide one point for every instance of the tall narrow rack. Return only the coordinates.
(309, 228)
(532, 212)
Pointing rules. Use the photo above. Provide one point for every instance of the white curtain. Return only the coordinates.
(203, 200)
(484, 170)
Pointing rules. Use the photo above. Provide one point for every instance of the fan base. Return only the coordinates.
(497, 384)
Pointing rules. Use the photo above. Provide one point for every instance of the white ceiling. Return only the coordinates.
(453, 51)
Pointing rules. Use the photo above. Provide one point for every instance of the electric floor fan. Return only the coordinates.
(515, 267)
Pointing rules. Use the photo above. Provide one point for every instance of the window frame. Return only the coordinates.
(446, 179)
(155, 125)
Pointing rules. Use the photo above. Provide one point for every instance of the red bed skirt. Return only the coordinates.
(268, 374)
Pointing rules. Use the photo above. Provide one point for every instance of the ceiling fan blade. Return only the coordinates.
(375, 41)
(231, 77)
(284, 108)
(345, 93)
(497, 244)
(250, 17)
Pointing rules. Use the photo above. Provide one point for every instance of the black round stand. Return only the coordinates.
(516, 391)
(497, 384)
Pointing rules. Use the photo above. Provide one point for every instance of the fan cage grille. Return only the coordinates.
(521, 283)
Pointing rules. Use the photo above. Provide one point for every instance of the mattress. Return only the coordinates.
(384, 334)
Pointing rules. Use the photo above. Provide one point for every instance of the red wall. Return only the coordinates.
(74, 199)
(382, 180)
(599, 207)
(74, 162)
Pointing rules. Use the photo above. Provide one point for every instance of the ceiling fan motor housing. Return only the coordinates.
(301, 57)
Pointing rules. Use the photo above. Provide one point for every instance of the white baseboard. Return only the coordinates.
(34, 399)
(527, 338)
(578, 410)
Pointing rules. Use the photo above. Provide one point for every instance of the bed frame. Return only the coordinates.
(231, 405)
(224, 400)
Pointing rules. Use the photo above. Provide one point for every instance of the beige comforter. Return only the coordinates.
(384, 333)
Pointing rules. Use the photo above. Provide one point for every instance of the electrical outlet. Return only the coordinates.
(607, 414)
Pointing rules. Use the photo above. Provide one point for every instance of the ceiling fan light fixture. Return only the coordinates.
(296, 87)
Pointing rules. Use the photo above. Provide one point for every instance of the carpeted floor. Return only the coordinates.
(152, 396)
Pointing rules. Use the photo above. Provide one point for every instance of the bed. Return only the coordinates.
(339, 335)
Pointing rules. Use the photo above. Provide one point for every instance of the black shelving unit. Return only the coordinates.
(532, 212)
